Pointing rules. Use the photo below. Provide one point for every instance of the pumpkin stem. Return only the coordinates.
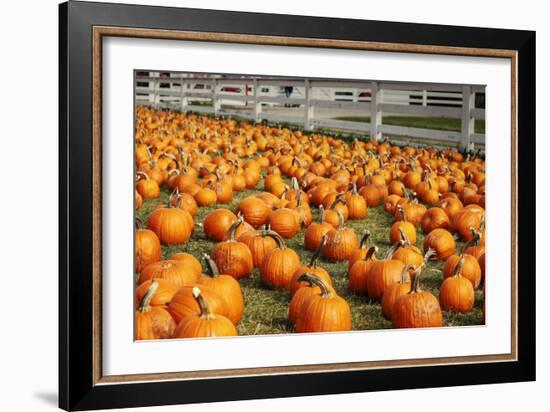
(371, 252)
(321, 214)
(294, 183)
(213, 270)
(233, 229)
(205, 310)
(458, 268)
(364, 240)
(145, 303)
(404, 237)
(144, 175)
(405, 273)
(402, 212)
(278, 239)
(315, 256)
(474, 241)
(429, 253)
(340, 220)
(138, 223)
(315, 280)
(393, 249)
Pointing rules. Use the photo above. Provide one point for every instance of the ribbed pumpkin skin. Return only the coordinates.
(382, 274)
(189, 260)
(163, 295)
(391, 294)
(217, 223)
(456, 294)
(417, 310)
(254, 210)
(314, 234)
(284, 221)
(358, 276)
(298, 299)
(172, 270)
(194, 326)
(278, 268)
(324, 314)
(259, 246)
(155, 323)
(230, 291)
(435, 218)
(407, 227)
(464, 220)
(233, 258)
(172, 225)
(184, 304)
(442, 242)
(147, 248)
(341, 244)
(470, 269)
(409, 255)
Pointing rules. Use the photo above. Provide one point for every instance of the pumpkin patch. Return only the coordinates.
(253, 229)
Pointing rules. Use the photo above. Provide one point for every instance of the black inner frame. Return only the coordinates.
(76, 387)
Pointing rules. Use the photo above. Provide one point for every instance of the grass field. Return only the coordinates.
(436, 123)
(266, 309)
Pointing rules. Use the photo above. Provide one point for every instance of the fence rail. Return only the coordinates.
(258, 99)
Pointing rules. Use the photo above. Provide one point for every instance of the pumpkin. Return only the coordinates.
(469, 268)
(163, 295)
(280, 264)
(357, 205)
(442, 242)
(466, 220)
(191, 261)
(316, 231)
(326, 312)
(361, 252)
(258, 245)
(402, 226)
(286, 222)
(435, 218)
(457, 292)
(217, 223)
(311, 268)
(139, 200)
(254, 210)
(183, 303)
(358, 274)
(298, 299)
(147, 188)
(409, 255)
(413, 212)
(172, 270)
(172, 225)
(205, 324)
(451, 206)
(227, 287)
(476, 245)
(417, 308)
(153, 322)
(233, 257)
(383, 273)
(341, 242)
(394, 290)
(147, 247)
(206, 197)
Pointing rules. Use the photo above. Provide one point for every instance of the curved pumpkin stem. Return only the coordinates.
(402, 212)
(205, 310)
(371, 252)
(364, 239)
(404, 237)
(233, 229)
(405, 272)
(458, 268)
(144, 175)
(145, 303)
(278, 239)
(340, 220)
(315, 280)
(321, 214)
(213, 270)
(393, 249)
(474, 241)
(317, 254)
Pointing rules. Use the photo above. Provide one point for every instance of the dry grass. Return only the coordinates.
(266, 309)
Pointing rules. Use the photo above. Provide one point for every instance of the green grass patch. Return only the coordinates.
(266, 309)
(437, 123)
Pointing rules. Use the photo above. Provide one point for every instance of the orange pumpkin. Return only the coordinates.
(233, 257)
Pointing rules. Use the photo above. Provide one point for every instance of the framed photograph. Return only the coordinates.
(257, 206)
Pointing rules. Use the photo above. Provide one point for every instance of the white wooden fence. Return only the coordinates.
(257, 99)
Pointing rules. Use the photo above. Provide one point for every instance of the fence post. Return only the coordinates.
(215, 101)
(375, 112)
(424, 98)
(183, 95)
(467, 126)
(257, 102)
(309, 108)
